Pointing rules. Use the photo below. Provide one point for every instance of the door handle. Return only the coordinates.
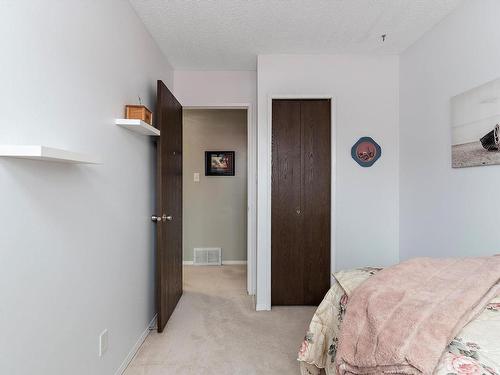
(165, 217)
(155, 218)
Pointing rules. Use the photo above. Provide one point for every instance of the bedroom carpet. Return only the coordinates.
(216, 330)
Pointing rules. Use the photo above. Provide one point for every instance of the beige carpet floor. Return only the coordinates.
(216, 330)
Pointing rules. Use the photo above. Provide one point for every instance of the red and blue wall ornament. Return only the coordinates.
(366, 151)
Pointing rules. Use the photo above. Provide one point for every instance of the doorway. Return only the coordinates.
(300, 201)
(215, 206)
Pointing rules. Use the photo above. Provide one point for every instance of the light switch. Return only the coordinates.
(196, 177)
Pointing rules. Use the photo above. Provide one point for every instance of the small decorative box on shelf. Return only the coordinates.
(138, 112)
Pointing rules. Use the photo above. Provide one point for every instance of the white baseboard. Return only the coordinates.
(262, 307)
(229, 262)
(224, 262)
(135, 348)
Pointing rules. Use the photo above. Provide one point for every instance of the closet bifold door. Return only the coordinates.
(300, 208)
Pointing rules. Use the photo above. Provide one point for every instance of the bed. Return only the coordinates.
(475, 350)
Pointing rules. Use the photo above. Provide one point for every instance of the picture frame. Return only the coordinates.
(219, 163)
(475, 126)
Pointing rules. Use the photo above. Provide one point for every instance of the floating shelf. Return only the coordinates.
(137, 126)
(39, 152)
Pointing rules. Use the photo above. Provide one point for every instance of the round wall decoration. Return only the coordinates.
(366, 151)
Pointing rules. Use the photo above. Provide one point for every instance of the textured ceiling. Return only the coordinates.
(229, 34)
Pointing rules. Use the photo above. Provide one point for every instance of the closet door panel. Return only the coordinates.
(316, 156)
(286, 227)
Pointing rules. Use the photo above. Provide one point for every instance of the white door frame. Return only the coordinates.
(251, 187)
(264, 239)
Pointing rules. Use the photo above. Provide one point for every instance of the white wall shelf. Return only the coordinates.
(137, 126)
(39, 152)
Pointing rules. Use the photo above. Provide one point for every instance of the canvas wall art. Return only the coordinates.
(475, 126)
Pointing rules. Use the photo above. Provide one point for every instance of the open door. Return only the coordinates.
(169, 205)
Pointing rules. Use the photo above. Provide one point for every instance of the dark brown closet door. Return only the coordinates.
(300, 210)
(169, 203)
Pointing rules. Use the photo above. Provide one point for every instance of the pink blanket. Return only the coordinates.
(401, 320)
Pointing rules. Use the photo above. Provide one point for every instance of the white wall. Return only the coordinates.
(76, 244)
(445, 211)
(215, 88)
(220, 89)
(366, 205)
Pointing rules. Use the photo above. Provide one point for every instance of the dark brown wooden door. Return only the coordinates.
(300, 209)
(169, 204)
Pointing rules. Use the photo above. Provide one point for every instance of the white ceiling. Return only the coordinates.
(229, 34)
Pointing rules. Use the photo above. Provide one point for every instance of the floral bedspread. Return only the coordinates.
(475, 350)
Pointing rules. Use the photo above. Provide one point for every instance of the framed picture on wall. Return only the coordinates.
(219, 163)
(475, 126)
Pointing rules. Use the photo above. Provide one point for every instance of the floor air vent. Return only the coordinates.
(207, 256)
